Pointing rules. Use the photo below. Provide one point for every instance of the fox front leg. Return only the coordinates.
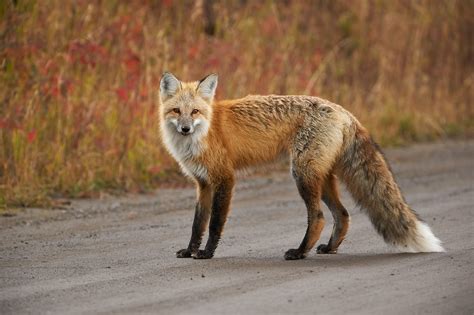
(220, 211)
(201, 220)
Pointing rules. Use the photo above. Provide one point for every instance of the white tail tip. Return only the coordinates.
(423, 240)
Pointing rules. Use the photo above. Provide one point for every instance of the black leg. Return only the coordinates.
(220, 210)
(201, 220)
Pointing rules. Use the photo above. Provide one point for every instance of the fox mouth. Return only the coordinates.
(185, 133)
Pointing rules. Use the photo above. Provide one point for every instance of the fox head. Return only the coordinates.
(186, 108)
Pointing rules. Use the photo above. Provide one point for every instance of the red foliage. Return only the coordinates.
(269, 26)
(122, 93)
(213, 62)
(193, 51)
(317, 57)
(31, 136)
(143, 92)
(132, 63)
(9, 124)
(86, 53)
(155, 169)
(48, 66)
(57, 87)
(167, 3)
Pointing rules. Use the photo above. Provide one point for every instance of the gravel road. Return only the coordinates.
(117, 254)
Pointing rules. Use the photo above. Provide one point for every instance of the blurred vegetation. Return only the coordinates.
(79, 79)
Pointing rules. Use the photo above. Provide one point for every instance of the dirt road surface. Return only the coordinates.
(116, 255)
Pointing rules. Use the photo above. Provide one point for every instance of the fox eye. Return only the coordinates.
(176, 110)
(195, 111)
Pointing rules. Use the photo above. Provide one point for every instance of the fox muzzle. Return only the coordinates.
(185, 126)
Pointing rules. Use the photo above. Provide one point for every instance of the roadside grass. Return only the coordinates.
(79, 79)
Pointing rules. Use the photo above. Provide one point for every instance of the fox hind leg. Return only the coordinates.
(341, 216)
(310, 189)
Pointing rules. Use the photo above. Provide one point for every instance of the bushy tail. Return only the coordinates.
(369, 179)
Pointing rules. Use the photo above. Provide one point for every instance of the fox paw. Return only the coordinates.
(325, 249)
(293, 254)
(203, 254)
(183, 253)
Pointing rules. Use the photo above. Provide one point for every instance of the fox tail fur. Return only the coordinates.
(369, 179)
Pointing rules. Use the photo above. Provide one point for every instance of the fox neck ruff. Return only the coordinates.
(187, 148)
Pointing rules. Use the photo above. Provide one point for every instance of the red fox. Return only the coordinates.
(210, 140)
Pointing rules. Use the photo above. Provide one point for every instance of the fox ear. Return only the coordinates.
(169, 85)
(207, 87)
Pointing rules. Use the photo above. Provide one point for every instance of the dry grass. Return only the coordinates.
(79, 78)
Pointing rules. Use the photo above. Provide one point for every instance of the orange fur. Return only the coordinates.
(210, 140)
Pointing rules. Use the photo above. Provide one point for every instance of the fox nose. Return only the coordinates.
(185, 129)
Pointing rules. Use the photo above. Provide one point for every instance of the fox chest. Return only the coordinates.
(194, 169)
(186, 153)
